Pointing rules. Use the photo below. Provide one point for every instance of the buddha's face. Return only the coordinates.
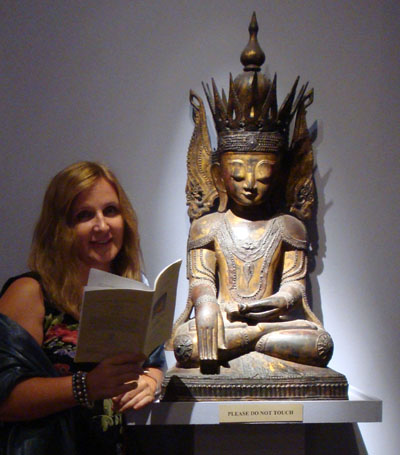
(248, 177)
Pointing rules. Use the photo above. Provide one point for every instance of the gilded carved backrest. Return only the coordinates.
(200, 190)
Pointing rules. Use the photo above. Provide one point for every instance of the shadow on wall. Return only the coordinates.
(316, 227)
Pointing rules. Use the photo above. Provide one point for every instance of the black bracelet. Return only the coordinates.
(79, 389)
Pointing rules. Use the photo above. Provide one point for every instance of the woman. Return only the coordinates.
(86, 222)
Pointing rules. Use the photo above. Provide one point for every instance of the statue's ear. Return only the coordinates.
(220, 185)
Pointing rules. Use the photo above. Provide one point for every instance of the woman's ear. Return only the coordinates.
(220, 185)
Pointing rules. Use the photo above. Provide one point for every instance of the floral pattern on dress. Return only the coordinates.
(60, 339)
(59, 343)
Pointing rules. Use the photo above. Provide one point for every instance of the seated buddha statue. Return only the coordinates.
(247, 247)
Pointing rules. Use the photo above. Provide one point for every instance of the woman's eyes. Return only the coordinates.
(83, 215)
(111, 210)
(87, 215)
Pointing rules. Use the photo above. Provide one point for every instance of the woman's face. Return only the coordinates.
(98, 225)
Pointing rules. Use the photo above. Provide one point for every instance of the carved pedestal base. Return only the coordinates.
(255, 376)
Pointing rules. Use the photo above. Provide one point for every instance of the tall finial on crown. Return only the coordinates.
(252, 57)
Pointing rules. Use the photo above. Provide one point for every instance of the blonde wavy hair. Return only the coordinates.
(53, 252)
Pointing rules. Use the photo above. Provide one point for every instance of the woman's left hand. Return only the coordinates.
(140, 396)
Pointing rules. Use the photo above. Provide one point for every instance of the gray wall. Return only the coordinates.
(109, 81)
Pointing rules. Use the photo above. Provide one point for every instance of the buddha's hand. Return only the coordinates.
(233, 310)
(265, 309)
(207, 311)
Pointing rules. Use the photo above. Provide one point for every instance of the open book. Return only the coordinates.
(124, 315)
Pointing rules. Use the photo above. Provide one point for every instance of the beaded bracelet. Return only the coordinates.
(79, 389)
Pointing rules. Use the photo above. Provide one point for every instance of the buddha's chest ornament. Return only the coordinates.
(248, 260)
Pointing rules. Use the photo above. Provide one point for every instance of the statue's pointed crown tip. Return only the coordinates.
(252, 57)
(253, 23)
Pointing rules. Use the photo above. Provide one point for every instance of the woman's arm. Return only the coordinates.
(38, 396)
(35, 397)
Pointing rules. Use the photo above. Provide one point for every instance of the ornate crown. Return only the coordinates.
(249, 120)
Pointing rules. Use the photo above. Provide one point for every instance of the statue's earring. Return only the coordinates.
(220, 186)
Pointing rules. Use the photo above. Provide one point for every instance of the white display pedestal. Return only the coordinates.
(358, 408)
(212, 437)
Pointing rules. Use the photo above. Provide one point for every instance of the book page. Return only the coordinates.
(99, 278)
(162, 315)
(113, 321)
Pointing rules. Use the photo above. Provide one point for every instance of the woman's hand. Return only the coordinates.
(143, 394)
(114, 376)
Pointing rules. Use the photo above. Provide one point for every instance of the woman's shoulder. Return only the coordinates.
(33, 279)
(22, 300)
(22, 286)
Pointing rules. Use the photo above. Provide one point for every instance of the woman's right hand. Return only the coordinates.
(114, 376)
